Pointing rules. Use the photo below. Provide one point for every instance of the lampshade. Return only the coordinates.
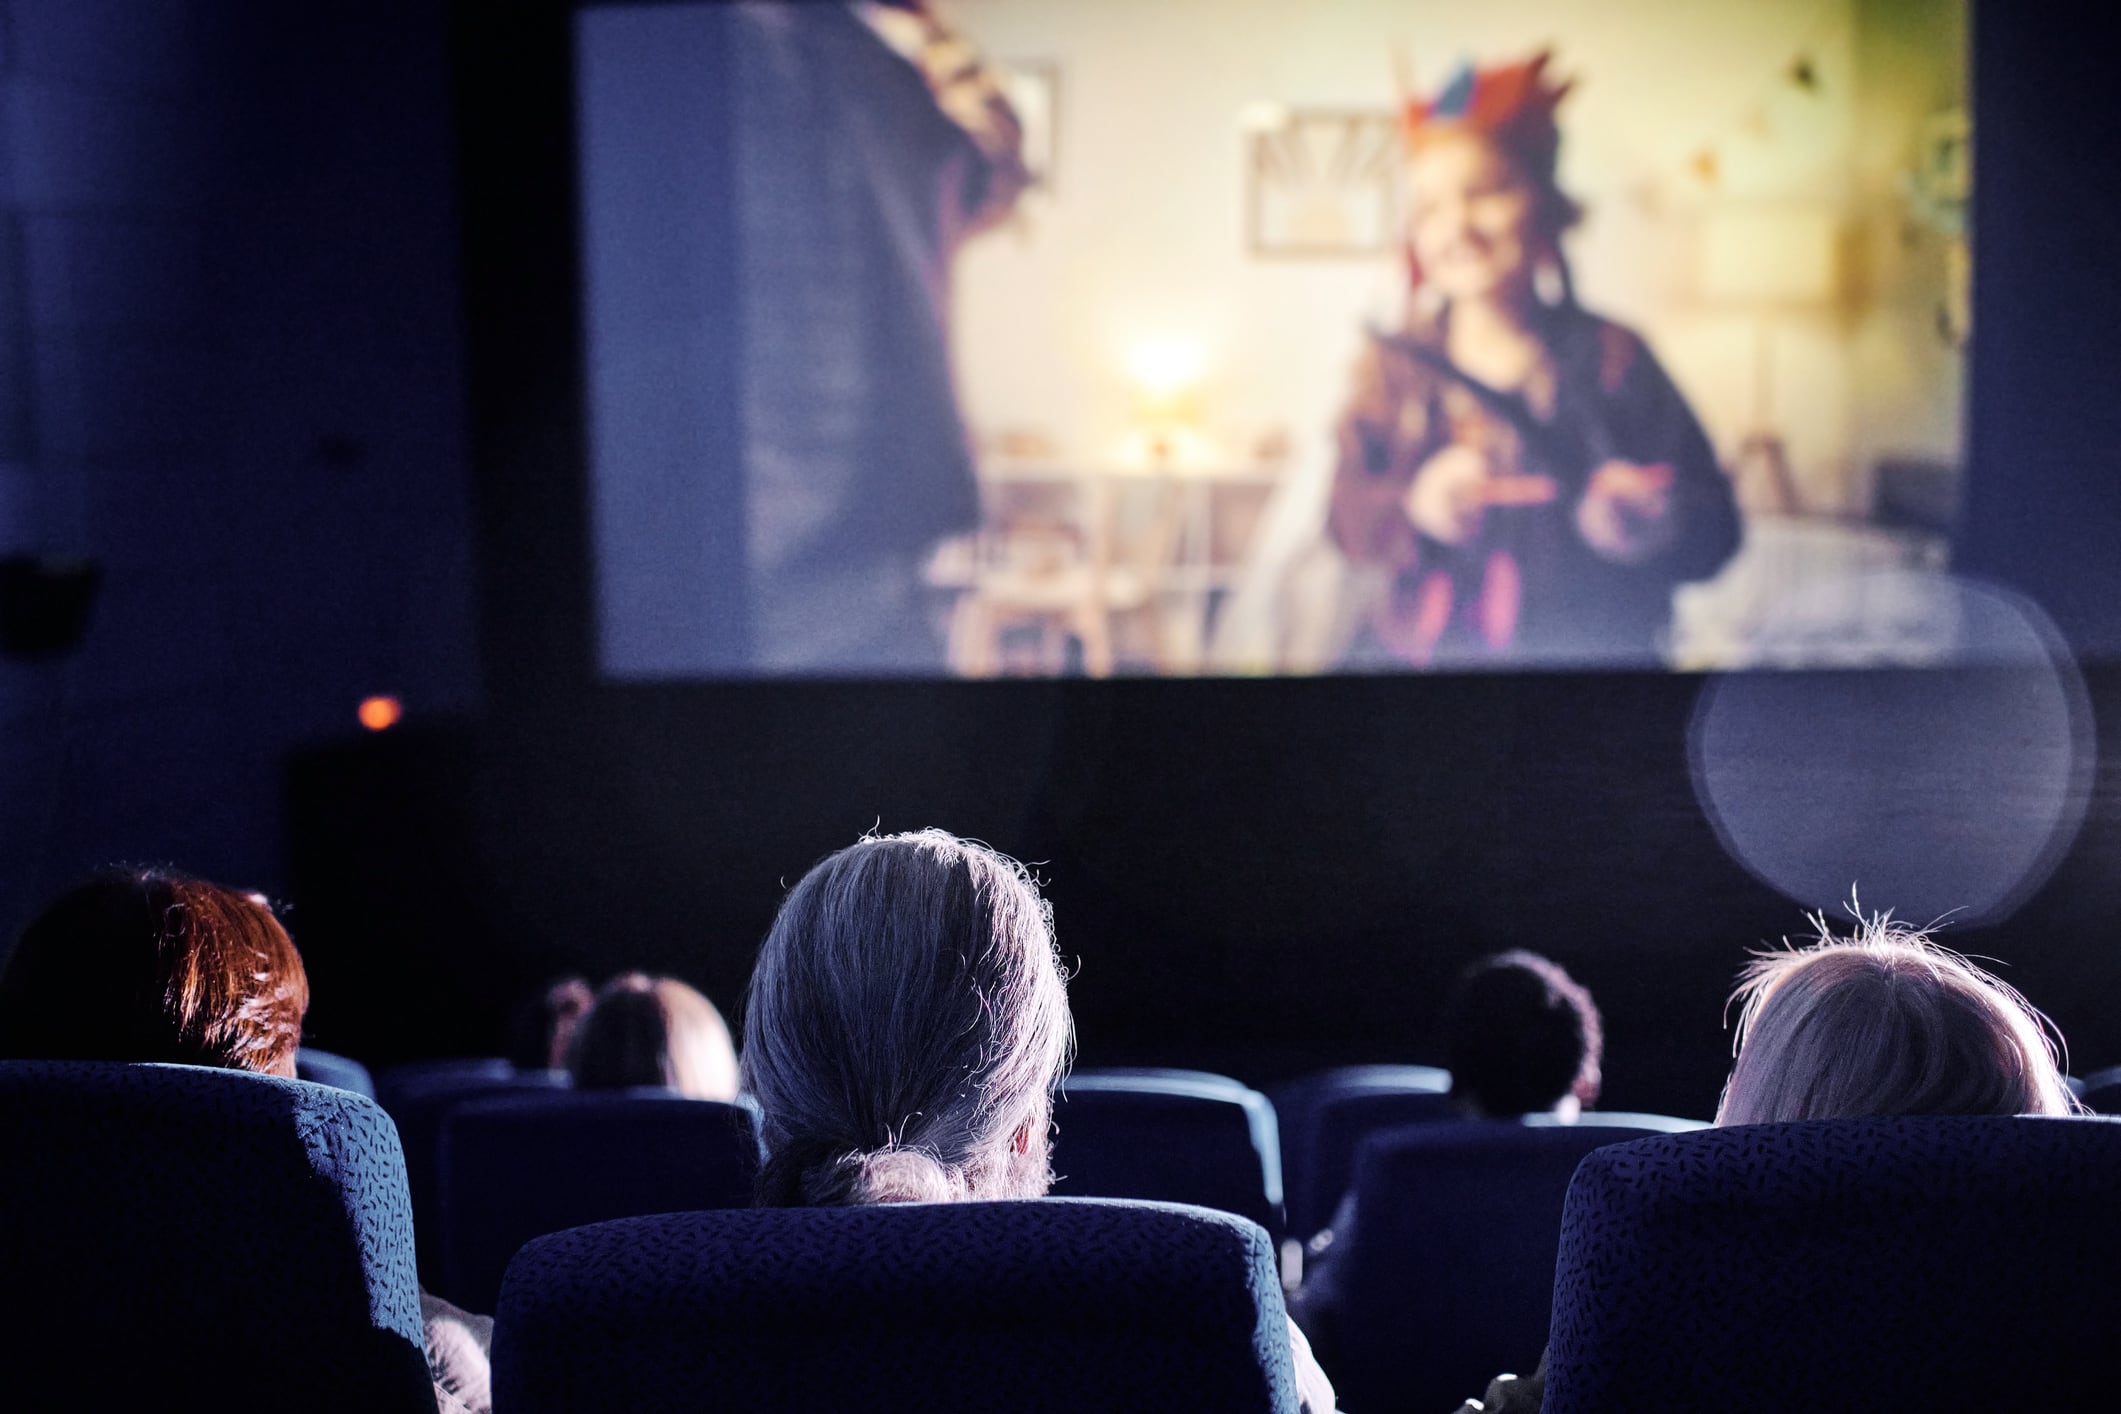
(1166, 374)
(1768, 255)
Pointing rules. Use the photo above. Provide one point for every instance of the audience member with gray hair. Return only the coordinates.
(906, 1028)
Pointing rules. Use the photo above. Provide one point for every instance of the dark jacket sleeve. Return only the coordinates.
(1652, 424)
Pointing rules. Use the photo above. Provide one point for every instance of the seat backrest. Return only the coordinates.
(1908, 1263)
(419, 1110)
(1210, 1142)
(520, 1166)
(330, 1068)
(408, 1077)
(1180, 1074)
(1445, 1279)
(1049, 1305)
(210, 1239)
(1325, 1117)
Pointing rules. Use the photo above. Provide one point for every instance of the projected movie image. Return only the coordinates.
(1236, 337)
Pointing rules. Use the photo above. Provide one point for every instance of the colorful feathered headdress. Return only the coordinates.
(1512, 103)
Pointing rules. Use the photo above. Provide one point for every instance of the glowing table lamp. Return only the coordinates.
(1166, 374)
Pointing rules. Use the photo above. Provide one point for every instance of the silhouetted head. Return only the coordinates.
(646, 1030)
(543, 1026)
(149, 965)
(1885, 1023)
(1521, 1037)
(906, 1027)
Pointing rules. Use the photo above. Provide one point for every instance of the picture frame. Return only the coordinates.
(1322, 183)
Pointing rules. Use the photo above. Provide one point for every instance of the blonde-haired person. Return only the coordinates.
(645, 1030)
(906, 1027)
(1884, 1022)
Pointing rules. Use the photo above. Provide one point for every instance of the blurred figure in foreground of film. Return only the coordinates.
(1518, 479)
(872, 143)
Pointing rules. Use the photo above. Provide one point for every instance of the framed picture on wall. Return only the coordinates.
(1322, 183)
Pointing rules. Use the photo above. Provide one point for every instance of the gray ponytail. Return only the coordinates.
(906, 1025)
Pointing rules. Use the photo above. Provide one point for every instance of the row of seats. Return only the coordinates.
(1304, 1138)
(1177, 1135)
(1183, 1135)
(235, 1237)
(497, 1156)
(497, 1159)
(1936, 1262)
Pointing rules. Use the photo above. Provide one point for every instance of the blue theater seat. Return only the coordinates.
(1166, 1072)
(1446, 1278)
(1326, 1116)
(177, 1238)
(1934, 1263)
(414, 1077)
(330, 1068)
(1054, 1305)
(419, 1104)
(520, 1166)
(1209, 1141)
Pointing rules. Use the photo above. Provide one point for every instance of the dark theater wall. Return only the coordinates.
(1258, 877)
(239, 326)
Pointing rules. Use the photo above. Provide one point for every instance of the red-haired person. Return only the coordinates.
(148, 965)
(1523, 478)
(153, 965)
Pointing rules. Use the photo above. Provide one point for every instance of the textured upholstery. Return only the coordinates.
(178, 1238)
(330, 1068)
(1916, 1263)
(520, 1166)
(1050, 1305)
(1212, 1142)
(1445, 1279)
(1326, 1116)
(419, 1106)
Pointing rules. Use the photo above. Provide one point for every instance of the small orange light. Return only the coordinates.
(381, 713)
